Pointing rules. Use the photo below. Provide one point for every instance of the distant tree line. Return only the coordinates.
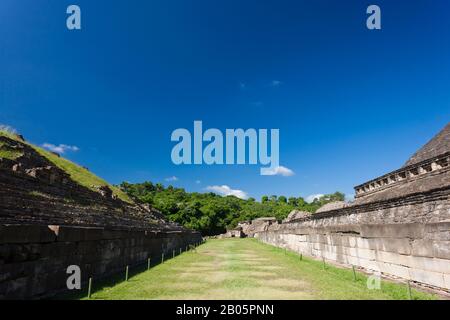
(212, 214)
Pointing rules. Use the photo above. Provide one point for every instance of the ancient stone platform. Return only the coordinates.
(48, 221)
(398, 225)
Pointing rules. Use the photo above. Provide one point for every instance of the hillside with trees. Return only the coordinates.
(212, 214)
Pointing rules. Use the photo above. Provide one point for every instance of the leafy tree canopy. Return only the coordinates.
(212, 214)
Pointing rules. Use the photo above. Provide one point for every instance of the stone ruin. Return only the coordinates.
(249, 228)
(48, 222)
(296, 214)
(233, 233)
(398, 225)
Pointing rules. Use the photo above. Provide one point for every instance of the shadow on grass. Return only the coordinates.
(99, 284)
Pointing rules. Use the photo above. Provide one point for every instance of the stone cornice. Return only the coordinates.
(403, 175)
(412, 199)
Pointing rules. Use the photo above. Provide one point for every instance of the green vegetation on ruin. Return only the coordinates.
(6, 151)
(240, 269)
(212, 214)
(77, 173)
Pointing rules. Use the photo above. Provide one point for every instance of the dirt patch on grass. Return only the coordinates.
(269, 267)
(286, 283)
(261, 274)
(252, 293)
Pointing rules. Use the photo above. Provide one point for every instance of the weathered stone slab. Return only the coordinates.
(25, 234)
(395, 270)
(447, 281)
(406, 230)
(432, 278)
(76, 234)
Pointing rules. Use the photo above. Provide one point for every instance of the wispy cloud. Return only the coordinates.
(171, 179)
(5, 127)
(278, 171)
(276, 83)
(242, 85)
(198, 181)
(62, 148)
(227, 191)
(312, 197)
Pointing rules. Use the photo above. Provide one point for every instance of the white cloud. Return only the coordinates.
(276, 83)
(227, 191)
(198, 181)
(62, 148)
(278, 171)
(172, 179)
(5, 127)
(312, 197)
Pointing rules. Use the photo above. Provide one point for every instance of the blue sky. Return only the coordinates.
(351, 104)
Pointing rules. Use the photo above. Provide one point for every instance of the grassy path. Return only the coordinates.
(246, 269)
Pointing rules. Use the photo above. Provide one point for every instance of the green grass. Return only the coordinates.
(9, 153)
(239, 269)
(79, 174)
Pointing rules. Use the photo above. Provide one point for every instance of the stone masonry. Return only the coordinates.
(398, 225)
(49, 222)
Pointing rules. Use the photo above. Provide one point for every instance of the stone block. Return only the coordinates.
(441, 249)
(397, 245)
(432, 278)
(423, 248)
(437, 227)
(405, 230)
(447, 281)
(423, 263)
(360, 253)
(114, 234)
(25, 234)
(76, 234)
(394, 269)
(346, 229)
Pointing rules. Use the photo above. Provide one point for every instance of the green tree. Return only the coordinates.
(212, 214)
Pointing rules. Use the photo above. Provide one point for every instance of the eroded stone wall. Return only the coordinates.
(408, 238)
(34, 259)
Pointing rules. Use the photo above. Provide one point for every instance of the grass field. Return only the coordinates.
(238, 269)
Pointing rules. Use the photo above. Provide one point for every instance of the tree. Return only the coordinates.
(301, 202)
(292, 201)
(212, 214)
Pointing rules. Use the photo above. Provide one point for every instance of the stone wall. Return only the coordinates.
(34, 259)
(407, 237)
(258, 225)
(38, 203)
